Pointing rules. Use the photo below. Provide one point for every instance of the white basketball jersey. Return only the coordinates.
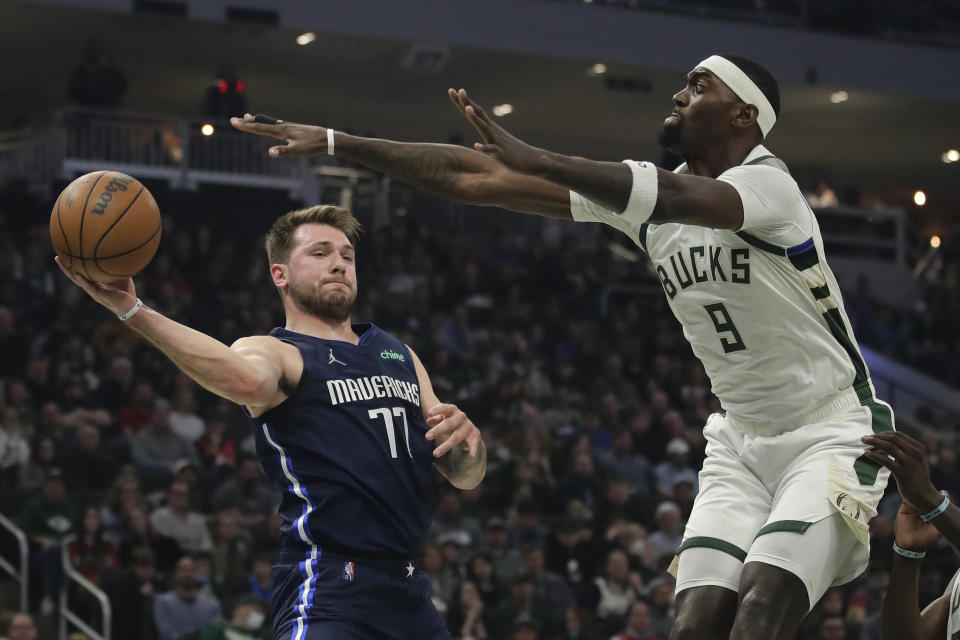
(953, 622)
(759, 306)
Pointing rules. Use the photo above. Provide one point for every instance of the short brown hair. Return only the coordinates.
(280, 237)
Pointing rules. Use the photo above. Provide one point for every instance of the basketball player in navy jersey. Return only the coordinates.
(347, 426)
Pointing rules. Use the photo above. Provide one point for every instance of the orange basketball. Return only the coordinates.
(106, 226)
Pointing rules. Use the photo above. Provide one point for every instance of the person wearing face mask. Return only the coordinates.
(246, 623)
(184, 611)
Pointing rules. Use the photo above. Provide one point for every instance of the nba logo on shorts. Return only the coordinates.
(348, 572)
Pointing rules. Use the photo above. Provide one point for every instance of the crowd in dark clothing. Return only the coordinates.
(562, 351)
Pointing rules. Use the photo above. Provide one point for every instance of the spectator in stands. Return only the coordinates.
(575, 627)
(256, 582)
(527, 527)
(14, 450)
(137, 532)
(248, 492)
(619, 504)
(666, 539)
(661, 606)
(116, 389)
(676, 468)
(638, 624)
(175, 520)
(613, 592)
(184, 419)
(131, 590)
(43, 458)
(523, 604)
(466, 617)
(247, 622)
(183, 611)
(87, 467)
(451, 523)
(217, 451)
(583, 482)
(624, 462)
(124, 497)
(572, 553)
(548, 587)
(481, 573)
(232, 546)
(21, 627)
(92, 554)
(443, 579)
(156, 449)
(46, 520)
(136, 413)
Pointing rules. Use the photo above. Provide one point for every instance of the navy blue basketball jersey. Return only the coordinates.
(347, 448)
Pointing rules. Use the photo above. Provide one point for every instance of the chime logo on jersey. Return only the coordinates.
(348, 572)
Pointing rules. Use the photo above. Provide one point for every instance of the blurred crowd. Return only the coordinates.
(554, 338)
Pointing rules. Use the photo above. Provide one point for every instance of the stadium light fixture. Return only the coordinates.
(503, 109)
(598, 69)
(306, 38)
(950, 156)
(207, 129)
(919, 198)
(839, 96)
(935, 242)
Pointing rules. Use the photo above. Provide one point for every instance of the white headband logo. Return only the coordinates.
(744, 88)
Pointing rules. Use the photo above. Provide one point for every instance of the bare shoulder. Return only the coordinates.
(283, 357)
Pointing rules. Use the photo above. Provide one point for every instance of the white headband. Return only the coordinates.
(745, 89)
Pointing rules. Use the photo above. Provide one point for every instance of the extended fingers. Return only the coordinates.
(458, 436)
(249, 124)
(77, 279)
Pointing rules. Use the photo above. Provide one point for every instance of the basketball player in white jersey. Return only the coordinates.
(924, 515)
(786, 491)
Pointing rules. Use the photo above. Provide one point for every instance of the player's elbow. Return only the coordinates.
(251, 388)
(468, 481)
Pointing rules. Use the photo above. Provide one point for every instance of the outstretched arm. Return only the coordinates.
(679, 198)
(446, 170)
(250, 374)
(460, 455)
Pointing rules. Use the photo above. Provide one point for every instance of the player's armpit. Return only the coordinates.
(697, 200)
(272, 373)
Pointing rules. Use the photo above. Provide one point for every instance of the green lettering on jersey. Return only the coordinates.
(698, 274)
(740, 265)
(715, 264)
(669, 288)
(684, 282)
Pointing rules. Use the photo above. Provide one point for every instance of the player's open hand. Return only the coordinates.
(450, 427)
(301, 139)
(119, 297)
(907, 460)
(497, 141)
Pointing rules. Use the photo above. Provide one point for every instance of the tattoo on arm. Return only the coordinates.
(431, 169)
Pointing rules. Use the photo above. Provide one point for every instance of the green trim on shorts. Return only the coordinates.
(792, 526)
(713, 543)
(881, 420)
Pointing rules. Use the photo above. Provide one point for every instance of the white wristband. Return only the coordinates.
(643, 193)
(129, 314)
(329, 142)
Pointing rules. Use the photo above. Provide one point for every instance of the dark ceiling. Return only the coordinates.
(872, 140)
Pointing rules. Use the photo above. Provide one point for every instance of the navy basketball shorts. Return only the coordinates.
(318, 595)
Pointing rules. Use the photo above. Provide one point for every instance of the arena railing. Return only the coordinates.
(72, 576)
(21, 571)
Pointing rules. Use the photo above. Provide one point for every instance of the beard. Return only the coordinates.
(328, 306)
(670, 136)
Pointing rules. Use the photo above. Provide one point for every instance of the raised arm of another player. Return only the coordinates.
(679, 198)
(460, 455)
(448, 171)
(254, 373)
(907, 460)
